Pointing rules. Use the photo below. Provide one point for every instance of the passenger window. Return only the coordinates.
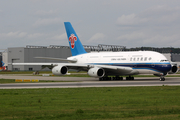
(134, 59)
(145, 58)
(150, 58)
(141, 58)
(137, 59)
(131, 59)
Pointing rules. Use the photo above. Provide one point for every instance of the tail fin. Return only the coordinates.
(74, 42)
(2, 63)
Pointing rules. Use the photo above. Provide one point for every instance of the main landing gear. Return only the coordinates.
(129, 78)
(115, 78)
(162, 78)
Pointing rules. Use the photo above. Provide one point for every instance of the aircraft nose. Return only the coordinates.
(168, 67)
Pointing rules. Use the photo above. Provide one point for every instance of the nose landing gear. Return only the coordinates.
(162, 78)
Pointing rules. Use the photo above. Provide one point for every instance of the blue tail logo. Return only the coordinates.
(74, 42)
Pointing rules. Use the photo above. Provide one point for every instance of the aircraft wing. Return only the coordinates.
(109, 69)
(70, 65)
(33, 64)
(59, 59)
(51, 65)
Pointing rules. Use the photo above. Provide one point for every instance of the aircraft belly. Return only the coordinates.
(120, 72)
(146, 71)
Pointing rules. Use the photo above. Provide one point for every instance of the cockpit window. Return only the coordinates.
(164, 61)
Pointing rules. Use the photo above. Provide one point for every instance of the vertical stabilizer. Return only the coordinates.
(74, 42)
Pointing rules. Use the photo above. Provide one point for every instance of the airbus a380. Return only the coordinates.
(105, 64)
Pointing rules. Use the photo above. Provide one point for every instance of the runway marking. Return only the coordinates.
(35, 80)
(18, 80)
(26, 80)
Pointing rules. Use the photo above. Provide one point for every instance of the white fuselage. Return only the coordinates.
(144, 61)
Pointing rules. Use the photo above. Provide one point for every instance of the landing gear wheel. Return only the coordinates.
(104, 78)
(162, 79)
(129, 78)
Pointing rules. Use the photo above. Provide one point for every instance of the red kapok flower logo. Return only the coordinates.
(72, 40)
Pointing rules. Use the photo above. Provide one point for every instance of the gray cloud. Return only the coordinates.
(155, 26)
(131, 19)
(46, 13)
(12, 35)
(48, 21)
(132, 23)
(60, 37)
(97, 37)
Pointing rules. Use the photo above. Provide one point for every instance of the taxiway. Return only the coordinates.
(85, 82)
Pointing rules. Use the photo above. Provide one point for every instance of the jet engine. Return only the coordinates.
(174, 69)
(59, 70)
(96, 72)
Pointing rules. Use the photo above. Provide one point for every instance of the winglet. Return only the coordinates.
(74, 42)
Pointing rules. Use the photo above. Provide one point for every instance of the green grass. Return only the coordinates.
(7, 81)
(2, 81)
(23, 72)
(157, 103)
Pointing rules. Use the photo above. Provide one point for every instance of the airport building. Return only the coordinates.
(27, 54)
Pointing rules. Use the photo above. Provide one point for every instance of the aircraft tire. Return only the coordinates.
(129, 78)
(162, 79)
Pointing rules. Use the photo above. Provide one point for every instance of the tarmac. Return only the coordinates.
(77, 82)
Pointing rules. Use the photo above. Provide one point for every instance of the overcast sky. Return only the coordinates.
(130, 23)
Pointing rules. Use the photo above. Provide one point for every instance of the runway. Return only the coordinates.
(15, 76)
(90, 82)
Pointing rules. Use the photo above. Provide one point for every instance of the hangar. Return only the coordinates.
(27, 54)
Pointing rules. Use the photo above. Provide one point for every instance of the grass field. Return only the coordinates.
(3, 81)
(23, 72)
(157, 103)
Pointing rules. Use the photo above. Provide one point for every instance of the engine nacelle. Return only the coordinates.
(174, 69)
(96, 72)
(59, 70)
(160, 74)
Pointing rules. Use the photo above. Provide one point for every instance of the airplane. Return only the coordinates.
(3, 67)
(103, 65)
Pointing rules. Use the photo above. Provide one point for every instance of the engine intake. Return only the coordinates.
(60, 70)
(96, 72)
(174, 69)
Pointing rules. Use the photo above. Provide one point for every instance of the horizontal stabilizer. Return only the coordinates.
(59, 59)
